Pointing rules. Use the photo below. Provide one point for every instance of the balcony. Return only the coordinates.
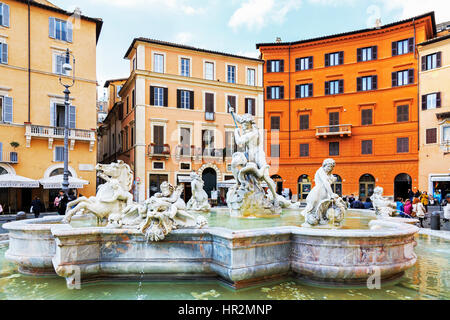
(9, 157)
(159, 151)
(52, 133)
(213, 153)
(184, 152)
(342, 130)
(209, 116)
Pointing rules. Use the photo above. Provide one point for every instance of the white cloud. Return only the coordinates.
(171, 4)
(184, 37)
(250, 54)
(411, 8)
(333, 3)
(254, 14)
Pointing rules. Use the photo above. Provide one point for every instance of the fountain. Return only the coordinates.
(199, 199)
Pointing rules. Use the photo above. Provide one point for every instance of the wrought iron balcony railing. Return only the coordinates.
(159, 151)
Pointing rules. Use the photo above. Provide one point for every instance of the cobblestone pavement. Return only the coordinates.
(444, 225)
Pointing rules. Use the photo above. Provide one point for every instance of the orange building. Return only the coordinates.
(351, 97)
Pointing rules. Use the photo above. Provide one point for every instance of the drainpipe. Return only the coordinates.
(418, 86)
(289, 101)
(29, 64)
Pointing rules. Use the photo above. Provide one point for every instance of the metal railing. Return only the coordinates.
(156, 150)
(58, 132)
(9, 157)
(341, 129)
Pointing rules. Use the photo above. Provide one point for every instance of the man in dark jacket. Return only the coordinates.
(36, 204)
(410, 195)
(357, 204)
(62, 203)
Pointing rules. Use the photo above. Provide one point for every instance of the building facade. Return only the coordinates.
(175, 112)
(434, 115)
(352, 97)
(34, 36)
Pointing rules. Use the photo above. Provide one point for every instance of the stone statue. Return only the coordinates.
(250, 169)
(323, 206)
(383, 207)
(159, 215)
(112, 196)
(199, 199)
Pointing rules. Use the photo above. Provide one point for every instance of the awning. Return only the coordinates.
(55, 182)
(440, 178)
(182, 179)
(15, 181)
(231, 183)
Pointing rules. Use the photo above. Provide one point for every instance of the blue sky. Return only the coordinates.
(233, 26)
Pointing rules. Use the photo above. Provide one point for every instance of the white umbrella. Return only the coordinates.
(55, 182)
(15, 181)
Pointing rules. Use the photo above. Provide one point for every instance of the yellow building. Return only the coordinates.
(434, 116)
(33, 35)
(175, 118)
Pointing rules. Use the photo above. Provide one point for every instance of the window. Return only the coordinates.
(185, 166)
(366, 117)
(303, 90)
(3, 53)
(59, 59)
(208, 142)
(402, 47)
(366, 83)
(334, 59)
(231, 104)
(431, 135)
(158, 63)
(333, 121)
(59, 154)
(250, 106)
(366, 147)
(303, 63)
(158, 96)
(334, 87)
(446, 134)
(275, 65)
(432, 61)
(275, 150)
(133, 98)
(230, 144)
(334, 148)
(60, 29)
(401, 78)
(251, 77)
(209, 106)
(304, 122)
(132, 136)
(431, 101)
(403, 113)
(118, 90)
(275, 123)
(304, 150)
(366, 54)
(209, 70)
(128, 104)
(402, 145)
(158, 165)
(185, 67)
(231, 74)
(185, 99)
(275, 92)
(4, 15)
(185, 141)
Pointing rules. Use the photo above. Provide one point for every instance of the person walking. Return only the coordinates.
(62, 203)
(417, 193)
(418, 210)
(408, 208)
(447, 208)
(36, 207)
(424, 198)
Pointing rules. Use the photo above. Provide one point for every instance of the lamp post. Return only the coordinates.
(67, 68)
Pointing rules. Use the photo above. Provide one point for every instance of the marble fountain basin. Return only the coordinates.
(240, 258)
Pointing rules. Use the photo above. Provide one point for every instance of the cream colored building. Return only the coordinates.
(434, 115)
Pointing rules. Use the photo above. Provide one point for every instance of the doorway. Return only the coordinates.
(155, 182)
(304, 186)
(366, 186)
(279, 182)
(402, 183)
(337, 185)
(209, 177)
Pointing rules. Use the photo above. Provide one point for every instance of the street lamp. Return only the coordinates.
(66, 68)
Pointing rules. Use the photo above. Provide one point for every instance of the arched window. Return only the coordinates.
(58, 171)
(304, 186)
(366, 185)
(337, 185)
(3, 171)
(279, 182)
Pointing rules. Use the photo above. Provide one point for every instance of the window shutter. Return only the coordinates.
(327, 87)
(394, 79)
(311, 64)
(152, 95)
(358, 55)
(8, 109)
(166, 97)
(424, 63)
(358, 84)
(253, 107)
(411, 45)
(269, 66)
(410, 76)
(341, 86)
(72, 117)
(394, 48)
(69, 31)
(191, 99)
(51, 27)
(5, 15)
(375, 52)
(374, 82)
(327, 59)
(438, 100)
(1, 151)
(178, 98)
(341, 57)
(310, 90)
(4, 57)
(424, 102)
(297, 91)
(53, 115)
(281, 92)
(281, 65)
(439, 59)
(297, 64)
(246, 105)
(269, 93)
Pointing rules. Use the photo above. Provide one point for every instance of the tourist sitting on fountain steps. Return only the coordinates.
(357, 204)
(368, 204)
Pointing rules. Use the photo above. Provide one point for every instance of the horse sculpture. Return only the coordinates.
(111, 198)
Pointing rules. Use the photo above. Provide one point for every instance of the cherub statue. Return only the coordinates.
(199, 199)
(383, 207)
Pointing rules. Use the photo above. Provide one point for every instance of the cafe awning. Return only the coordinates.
(231, 183)
(55, 182)
(15, 181)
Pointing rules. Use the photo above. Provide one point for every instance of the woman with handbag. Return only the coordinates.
(419, 210)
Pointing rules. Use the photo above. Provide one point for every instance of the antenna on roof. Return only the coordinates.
(378, 23)
(278, 40)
